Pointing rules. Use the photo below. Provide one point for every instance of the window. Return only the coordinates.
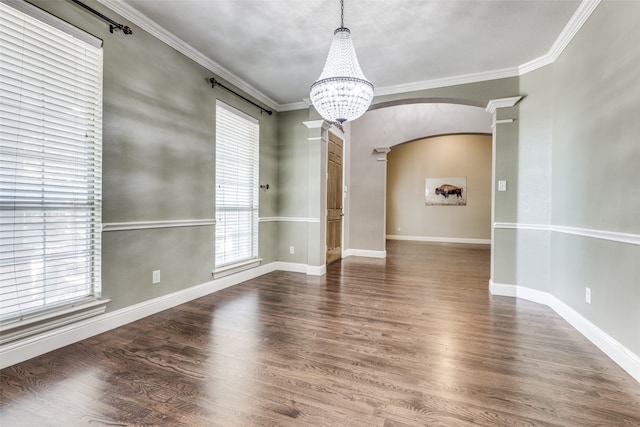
(236, 186)
(50, 165)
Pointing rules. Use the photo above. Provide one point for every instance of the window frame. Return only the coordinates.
(66, 168)
(229, 152)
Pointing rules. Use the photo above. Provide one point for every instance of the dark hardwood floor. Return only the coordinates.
(413, 340)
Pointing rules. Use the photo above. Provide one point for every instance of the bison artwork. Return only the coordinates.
(447, 190)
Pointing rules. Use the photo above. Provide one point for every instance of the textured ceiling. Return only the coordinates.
(278, 47)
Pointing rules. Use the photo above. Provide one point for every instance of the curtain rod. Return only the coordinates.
(113, 24)
(215, 83)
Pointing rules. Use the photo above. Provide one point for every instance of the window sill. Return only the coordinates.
(228, 270)
(39, 323)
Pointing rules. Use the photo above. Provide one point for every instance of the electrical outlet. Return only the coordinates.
(292, 250)
(587, 295)
(502, 185)
(156, 277)
(399, 228)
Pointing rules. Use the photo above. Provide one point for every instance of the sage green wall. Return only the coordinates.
(292, 190)
(571, 159)
(578, 167)
(505, 249)
(596, 170)
(444, 156)
(159, 161)
(534, 179)
(596, 126)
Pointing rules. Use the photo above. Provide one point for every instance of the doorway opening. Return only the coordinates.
(439, 189)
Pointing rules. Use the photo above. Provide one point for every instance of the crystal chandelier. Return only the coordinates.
(342, 92)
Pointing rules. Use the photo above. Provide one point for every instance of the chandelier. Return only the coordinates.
(342, 92)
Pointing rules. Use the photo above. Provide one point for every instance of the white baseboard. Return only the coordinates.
(621, 355)
(316, 270)
(364, 253)
(25, 349)
(440, 239)
(294, 267)
(22, 350)
(502, 289)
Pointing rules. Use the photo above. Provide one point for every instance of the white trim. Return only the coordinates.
(383, 150)
(69, 334)
(502, 289)
(516, 226)
(578, 19)
(313, 124)
(144, 225)
(316, 270)
(573, 26)
(288, 219)
(494, 104)
(440, 239)
(447, 81)
(26, 349)
(295, 267)
(228, 270)
(621, 355)
(292, 267)
(314, 138)
(292, 106)
(613, 236)
(501, 121)
(364, 253)
(52, 319)
(142, 21)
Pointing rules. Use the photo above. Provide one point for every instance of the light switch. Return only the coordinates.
(502, 185)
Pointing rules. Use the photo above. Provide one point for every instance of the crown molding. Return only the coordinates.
(142, 21)
(494, 104)
(314, 124)
(302, 105)
(292, 106)
(382, 150)
(578, 19)
(447, 81)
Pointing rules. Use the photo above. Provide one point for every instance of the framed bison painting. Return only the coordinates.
(446, 191)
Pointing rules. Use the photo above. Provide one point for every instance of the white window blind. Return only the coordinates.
(237, 137)
(50, 165)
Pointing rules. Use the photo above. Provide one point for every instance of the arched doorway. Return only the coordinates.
(415, 212)
(383, 128)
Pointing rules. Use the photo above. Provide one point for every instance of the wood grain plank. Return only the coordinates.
(396, 342)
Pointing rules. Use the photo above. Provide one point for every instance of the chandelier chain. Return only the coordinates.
(341, 13)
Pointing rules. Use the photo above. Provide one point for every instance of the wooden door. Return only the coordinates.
(334, 199)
